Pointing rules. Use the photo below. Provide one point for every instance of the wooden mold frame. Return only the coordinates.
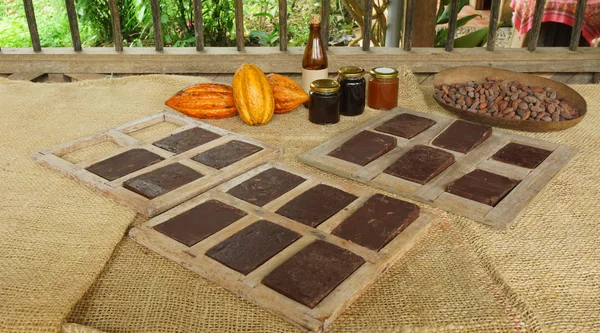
(52, 158)
(510, 208)
(249, 286)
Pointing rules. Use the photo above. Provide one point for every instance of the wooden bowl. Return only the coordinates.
(462, 75)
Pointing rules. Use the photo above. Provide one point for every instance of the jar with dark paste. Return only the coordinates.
(383, 88)
(324, 102)
(353, 88)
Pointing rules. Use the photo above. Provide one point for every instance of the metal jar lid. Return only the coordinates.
(325, 86)
(351, 71)
(384, 73)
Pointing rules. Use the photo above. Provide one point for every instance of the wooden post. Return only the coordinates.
(198, 25)
(408, 28)
(494, 10)
(239, 25)
(367, 25)
(116, 25)
(73, 25)
(576, 33)
(325, 6)
(283, 26)
(158, 38)
(31, 23)
(534, 33)
(452, 24)
(424, 31)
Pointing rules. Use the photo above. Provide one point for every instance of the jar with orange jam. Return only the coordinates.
(382, 92)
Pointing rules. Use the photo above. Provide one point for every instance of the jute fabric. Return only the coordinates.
(67, 264)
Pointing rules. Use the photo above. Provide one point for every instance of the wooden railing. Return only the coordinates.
(203, 59)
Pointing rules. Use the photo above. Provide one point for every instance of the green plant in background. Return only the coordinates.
(473, 39)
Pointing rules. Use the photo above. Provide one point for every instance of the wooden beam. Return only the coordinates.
(534, 33)
(116, 25)
(576, 32)
(239, 25)
(408, 27)
(367, 25)
(424, 31)
(32, 24)
(73, 25)
(270, 59)
(494, 11)
(158, 36)
(283, 31)
(325, 8)
(454, 4)
(198, 25)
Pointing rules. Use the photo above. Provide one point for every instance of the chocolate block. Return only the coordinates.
(316, 205)
(200, 222)
(405, 125)
(252, 246)
(420, 164)
(521, 155)
(378, 221)
(124, 164)
(161, 180)
(314, 272)
(186, 140)
(462, 136)
(364, 147)
(226, 154)
(482, 186)
(266, 186)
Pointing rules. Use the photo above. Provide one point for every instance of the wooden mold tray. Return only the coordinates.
(155, 174)
(296, 244)
(509, 189)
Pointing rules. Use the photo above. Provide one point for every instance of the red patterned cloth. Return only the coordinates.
(561, 11)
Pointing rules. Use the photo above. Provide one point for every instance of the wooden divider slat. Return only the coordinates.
(408, 27)
(198, 25)
(239, 25)
(116, 25)
(158, 36)
(494, 10)
(367, 25)
(283, 42)
(32, 24)
(73, 25)
(452, 24)
(534, 33)
(576, 32)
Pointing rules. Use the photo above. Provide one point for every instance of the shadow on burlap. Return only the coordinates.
(543, 274)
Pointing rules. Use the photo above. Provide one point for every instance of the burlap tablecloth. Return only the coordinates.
(64, 257)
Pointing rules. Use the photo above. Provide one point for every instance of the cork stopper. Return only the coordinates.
(315, 19)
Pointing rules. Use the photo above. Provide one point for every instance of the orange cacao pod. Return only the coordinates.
(205, 100)
(253, 95)
(287, 93)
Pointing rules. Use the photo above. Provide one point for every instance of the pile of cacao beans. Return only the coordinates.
(507, 100)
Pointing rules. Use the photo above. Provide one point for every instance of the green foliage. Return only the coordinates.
(473, 39)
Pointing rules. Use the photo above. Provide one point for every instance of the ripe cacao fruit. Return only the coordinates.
(205, 100)
(287, 93)
(253, 95)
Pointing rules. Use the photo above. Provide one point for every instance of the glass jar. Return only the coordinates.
(383, 88)
(353, 88)
(324, 102)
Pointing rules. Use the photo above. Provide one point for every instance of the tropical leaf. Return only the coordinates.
(474, 39)
(445, 16)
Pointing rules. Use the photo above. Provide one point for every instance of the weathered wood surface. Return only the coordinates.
(249, 286)
(367, 24)
(116, 28)
(156, 25)
(325, 9)
(534, 33)
(454, 7)
(32, 24)
(239, 25)
(51, 158)
(424, 31)
(576, 32)
(270, 59)
(198, 25)
(494, 11)
(407, 33)
(500, 216)
(283, 28)
(73, 25)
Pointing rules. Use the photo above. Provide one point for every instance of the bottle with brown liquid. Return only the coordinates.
(314, 62)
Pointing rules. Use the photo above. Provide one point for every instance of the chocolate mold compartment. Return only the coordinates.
(226, 154)
(406, 125)
(124, 163)
(316, 205)
(462, 136)
(312, 273)
(521, 155)
(364, 147)
(266, 186)
(421, 164)
(200, 222)
(482, 186)
(252, 246)
(162, 180)
(188, 139)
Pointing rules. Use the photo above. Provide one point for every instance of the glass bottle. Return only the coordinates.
(314, 61)
(353, 89)
(324, 102)
(383, 88)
